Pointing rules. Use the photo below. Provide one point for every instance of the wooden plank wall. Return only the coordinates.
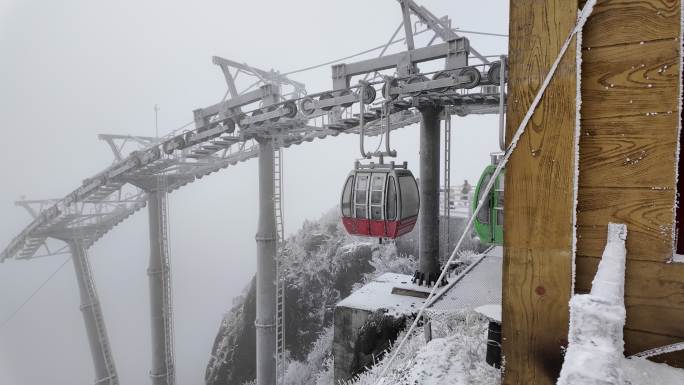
(537, 271)
(629, 121)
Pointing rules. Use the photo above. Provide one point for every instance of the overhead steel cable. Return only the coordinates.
(383, 46)
(479, 33)
(34, 293)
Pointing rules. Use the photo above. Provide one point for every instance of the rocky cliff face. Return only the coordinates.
(235, 343)
(322, 265)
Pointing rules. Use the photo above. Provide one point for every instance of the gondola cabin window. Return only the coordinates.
(391, 203)
(500, 199)
(377, 189)
(485, 211)
(409, 196)
(346, 197)
(360, 196)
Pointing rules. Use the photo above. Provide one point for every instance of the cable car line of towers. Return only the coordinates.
(191, 144)
(224, 135)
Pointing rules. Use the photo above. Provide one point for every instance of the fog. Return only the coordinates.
(73, 69)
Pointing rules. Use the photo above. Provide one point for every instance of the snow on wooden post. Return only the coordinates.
(595, 349)
(609, 282)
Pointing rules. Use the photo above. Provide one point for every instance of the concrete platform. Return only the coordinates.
(479, 285)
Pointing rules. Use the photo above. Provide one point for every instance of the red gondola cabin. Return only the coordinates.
(380, 200)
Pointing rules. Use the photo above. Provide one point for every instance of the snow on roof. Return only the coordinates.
(493, 312)
(377, 294)
(480, 286)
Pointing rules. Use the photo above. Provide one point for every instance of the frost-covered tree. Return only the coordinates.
(322, 264)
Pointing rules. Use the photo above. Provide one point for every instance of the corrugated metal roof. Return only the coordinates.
(481, 285)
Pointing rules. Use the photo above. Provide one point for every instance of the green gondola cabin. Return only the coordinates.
(489, 221)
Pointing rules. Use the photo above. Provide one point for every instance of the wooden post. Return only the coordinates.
(539, 200)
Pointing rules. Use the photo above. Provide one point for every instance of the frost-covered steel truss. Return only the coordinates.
(95, 207)
(109, 197)
(225, 135)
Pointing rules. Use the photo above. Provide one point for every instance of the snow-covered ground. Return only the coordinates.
(455, 356)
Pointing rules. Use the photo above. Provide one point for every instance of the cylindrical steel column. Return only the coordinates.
(428, 232)
(162, 370)
(105, 371)
(266, 270)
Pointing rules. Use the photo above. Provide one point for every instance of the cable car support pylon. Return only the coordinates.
(161, 292)
(105, 370)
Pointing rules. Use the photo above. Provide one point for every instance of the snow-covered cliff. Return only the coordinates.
(323, 264)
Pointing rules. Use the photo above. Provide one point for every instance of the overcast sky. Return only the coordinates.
(72, 69)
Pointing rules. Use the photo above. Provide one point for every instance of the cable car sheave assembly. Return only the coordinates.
(287, 121)
(445, 88)
(216, 125)
(370, 191)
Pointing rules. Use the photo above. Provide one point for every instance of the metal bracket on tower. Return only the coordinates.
(440, 26)
(117, 143)
(272, 77)
(342, 73)
(502, 102)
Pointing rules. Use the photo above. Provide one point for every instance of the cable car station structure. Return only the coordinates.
(602, 145)
(146, 169)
